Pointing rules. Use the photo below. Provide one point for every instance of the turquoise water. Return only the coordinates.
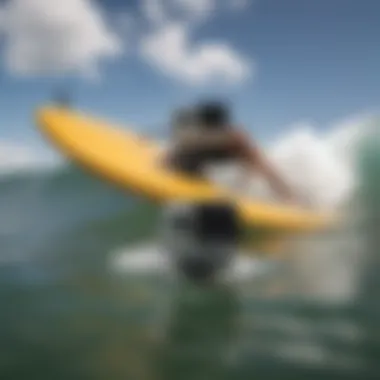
(69, 312)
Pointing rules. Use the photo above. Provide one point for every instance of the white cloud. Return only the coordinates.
(170, 50)
(196, 9)
(2, 20)
(71, 36)
(163, 11)
(239, 5)
(154, 10)
(200, 10)
(53, 36)
(168, 46)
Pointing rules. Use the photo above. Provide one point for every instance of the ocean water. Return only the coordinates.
(86, 293)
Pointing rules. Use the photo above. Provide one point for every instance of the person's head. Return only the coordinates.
(210, 113)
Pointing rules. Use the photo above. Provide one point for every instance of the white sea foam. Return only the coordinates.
(22, 157)
(149, 259)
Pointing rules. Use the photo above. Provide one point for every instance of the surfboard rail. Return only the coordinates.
(129, 161)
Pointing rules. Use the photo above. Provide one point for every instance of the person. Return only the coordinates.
(206, 134)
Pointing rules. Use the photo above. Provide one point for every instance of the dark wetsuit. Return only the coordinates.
(212, 117)
(192, 161)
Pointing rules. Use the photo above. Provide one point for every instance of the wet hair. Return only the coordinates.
(213, 113)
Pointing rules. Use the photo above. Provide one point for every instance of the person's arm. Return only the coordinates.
(257, 160)
(194, 138)
(189, 139)
(274, 178)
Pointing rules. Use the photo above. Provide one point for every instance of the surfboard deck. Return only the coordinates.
(132, 162)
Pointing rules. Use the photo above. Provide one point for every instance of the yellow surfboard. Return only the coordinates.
(132, 162)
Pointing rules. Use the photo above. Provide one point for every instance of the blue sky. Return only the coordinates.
(278, 62)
